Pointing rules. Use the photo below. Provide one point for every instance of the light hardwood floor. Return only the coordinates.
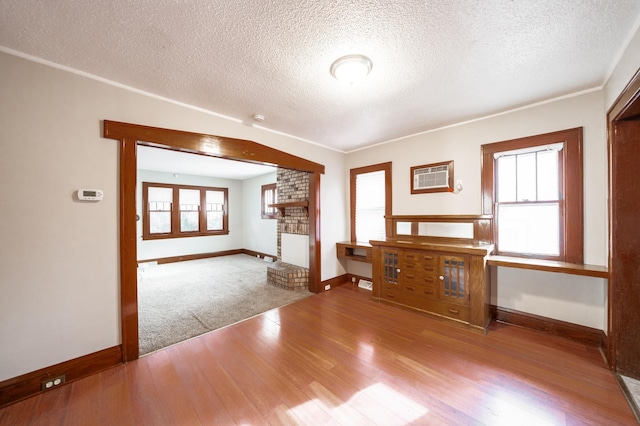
(339, 358)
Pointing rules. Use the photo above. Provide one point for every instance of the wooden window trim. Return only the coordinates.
(265, 214)
(175, 212)
(571, 171)
(386, 167)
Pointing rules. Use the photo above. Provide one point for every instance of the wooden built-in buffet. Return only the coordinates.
(436, 265)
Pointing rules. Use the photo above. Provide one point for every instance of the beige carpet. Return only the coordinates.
(177, 301)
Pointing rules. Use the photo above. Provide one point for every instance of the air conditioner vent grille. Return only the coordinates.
(431, 177)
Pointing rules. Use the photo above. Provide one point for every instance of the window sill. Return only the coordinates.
(183, 235)
(595, 271)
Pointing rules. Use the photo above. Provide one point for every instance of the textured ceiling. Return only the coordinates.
(434, 62)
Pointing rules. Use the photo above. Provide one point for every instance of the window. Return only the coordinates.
(198, 211)
(370, 202)
(533, 187)
(269, 196)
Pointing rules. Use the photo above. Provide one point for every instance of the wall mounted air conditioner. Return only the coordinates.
(431, 178)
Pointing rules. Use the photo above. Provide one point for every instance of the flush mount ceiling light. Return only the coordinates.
(351, 69)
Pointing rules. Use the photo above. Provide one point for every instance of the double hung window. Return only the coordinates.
(370, 202)
(269, 196)
(533, 187)
(171, 211)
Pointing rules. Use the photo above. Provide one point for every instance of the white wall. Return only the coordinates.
(569, 297)
(59, 270)
(260, 234)
(624, 70)
(153, 249)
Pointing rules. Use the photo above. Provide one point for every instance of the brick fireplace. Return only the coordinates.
(291, 269)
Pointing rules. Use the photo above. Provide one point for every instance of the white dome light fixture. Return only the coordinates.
(351, 69)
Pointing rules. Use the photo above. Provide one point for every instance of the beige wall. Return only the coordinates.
(59, 272)
(259, 234)
(568, 298)
(624, 70)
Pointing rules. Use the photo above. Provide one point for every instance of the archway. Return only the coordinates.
(131, 135)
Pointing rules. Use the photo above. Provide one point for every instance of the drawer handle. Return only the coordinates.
(454, 311)
(428, 291)
(410, 287)
(410, 276)
(441, 278)
(428, 279)
(427, 258)
(391, 295)
(410, 265)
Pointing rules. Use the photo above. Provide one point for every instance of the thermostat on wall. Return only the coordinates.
(90, 194)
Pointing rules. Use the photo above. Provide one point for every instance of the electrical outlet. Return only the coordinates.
(327, 287)
(52, 382)
(353, 280)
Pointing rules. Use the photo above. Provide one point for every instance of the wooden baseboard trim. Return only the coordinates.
(197, 256)
(344, 279)
(579, 333)
(27, 385)
(335, 281)
(259, 254)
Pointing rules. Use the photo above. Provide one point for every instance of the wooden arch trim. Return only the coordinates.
(216, 146)
(131, 135)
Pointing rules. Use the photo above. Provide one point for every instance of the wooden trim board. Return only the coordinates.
(30, 384)
(579, 333)
(197, 256)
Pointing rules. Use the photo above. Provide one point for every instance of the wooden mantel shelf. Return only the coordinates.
(282, 206)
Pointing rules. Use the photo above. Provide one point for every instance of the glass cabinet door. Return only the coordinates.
(390, 268)
(454, 284)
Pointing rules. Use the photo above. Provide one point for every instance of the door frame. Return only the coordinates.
(626, 106)
(132, 135)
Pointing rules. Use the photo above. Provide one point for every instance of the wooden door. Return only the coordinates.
(624, 267)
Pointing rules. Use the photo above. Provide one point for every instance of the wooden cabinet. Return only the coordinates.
(450, 281)
(360, 252)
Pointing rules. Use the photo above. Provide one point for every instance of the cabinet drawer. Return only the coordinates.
(454, 311)
(429, 304)
(420, 266)
(424, 303)
(420, 278)
(419, 257)
(392, 295)
(421, 289)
